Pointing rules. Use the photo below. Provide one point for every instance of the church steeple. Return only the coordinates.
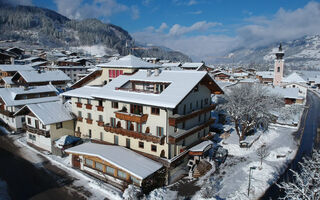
(278, 66)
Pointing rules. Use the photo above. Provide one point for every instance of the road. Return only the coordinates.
(28, 181)
(310, 138)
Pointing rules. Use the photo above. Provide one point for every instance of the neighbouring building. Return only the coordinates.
(265, 77)
(10, 70)
(46, 122)
(193, 66)
(156, 113)
(13, 99)
(71, 71)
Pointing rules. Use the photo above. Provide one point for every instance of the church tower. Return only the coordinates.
(278, 67)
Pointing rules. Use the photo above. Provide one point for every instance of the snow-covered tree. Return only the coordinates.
(306, 184)
(262, 153)
(250, 106)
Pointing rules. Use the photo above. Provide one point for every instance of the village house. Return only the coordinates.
(71, 71)
(222, 76)
(193, 66)
(265, 77)
(10, 70)
(7, 57)
(156, 113)
(13, 99)
(46, 122)
(290, 95)
(126, 65)
(36, 78)
(171, 66)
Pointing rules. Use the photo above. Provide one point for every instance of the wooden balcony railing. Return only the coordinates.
(100, 108)
(6, 113)
(174, 140)
(173, 121)
(134, 134)
(79, 105)
(132, 117)
(89, 121)
(38, 131)
(88, 106)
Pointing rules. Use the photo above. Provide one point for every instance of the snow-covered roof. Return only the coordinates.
(121, 157)
(240, 74)
(49, 112)
(129, 61)
(11, 68)
(8, 95)
(192, 65)
(8, 80)
(202, 146)
(265, 74)
(249, 80)
(168, 98)
(292, 93)
(293, 78)
(171, 64)
(43, 76)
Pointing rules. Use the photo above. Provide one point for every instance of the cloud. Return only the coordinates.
(198, 26)
(192, 2)
(103, 9)
(17, 2)
(198, 12)
(185, 3)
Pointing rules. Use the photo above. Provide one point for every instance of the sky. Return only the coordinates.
(202, 29)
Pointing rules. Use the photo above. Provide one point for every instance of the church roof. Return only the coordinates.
(293, 78)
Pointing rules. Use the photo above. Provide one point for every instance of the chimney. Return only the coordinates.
(39, 71)
(157, 72)
(149, 72)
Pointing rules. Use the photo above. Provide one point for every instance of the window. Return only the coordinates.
(153, 148)
(99, 166)
(155, 111)
(79, 114)
(29, 121)
(100, 118)
(114, 104)
(134, 180)
(100, 102)
(141, 145)
(184, 109)
(79, 100)
(88, 162)
(101, 136)
(110, 170)
(113, 122)
(23, 120)
(159, 131)
(128, 143)
(196, 88)
(88, 101)
(116, 139)
(90, 133)
(128, 125)
(136, 109)
(139, 128)
(89, 115)
(44, 126)
(59, 125)
(183, 124)
(278, 69)
(122, 174)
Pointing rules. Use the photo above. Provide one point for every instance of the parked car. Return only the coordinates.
(220, 154)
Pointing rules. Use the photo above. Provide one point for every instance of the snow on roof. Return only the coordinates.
(265, 74)
(202, 146)
(249, 80)
(66, 140)
(292, 93)
(129, 61)
(121, 157)
(11, 68)
(44, 76)
(37, 63)
(8, 95)
(168, 98)
(171, 64)
(8, 80)
(293, 78)
(49, 112)
(223, 84)
(192, 65)
(83, 92)
(240, 74)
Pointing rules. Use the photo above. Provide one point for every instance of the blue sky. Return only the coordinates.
(203, 29)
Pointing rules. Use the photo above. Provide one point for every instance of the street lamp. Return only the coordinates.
(251, 168)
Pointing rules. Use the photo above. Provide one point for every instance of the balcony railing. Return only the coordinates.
(100, 123)
(184, 134)
(132, 117)
(174, 120)
(100, 108)
(79, 119)
(6, 113)
(88, 106)
(89, 121)
(134, 134)
(38, 131)
(79, 105)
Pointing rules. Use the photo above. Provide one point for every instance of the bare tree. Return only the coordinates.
(262, 153)
(249, 106)
(306, 184)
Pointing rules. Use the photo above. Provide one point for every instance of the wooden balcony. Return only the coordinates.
(79, 119)
(132, 117)
(38, 131)
(79, 105)
(89, 121)
(6, 113)
(176, 119)
(100, 123)
(88, 106)
(77, 133)
(136, 135)
(100, 108)
(181, 136)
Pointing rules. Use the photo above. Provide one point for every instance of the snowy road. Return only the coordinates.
(310, 138)
(34, 178)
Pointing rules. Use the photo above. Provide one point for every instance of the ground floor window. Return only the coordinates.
(99, 166)
(110, 170)
(88, 162)
(154, 148)
(122, 174)
(141, 145)
(116, 139)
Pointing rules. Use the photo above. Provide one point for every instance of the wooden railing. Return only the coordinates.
(79, 105)
(174, 140)
(89, 121)
(6, 113)
(100, 108)
(37, 131)
(173, 121)
(88, 106)
(134, 134)
(132, 117)
(100, 123)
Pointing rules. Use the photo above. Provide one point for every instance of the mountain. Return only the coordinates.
(302, 53)
(46, 28)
